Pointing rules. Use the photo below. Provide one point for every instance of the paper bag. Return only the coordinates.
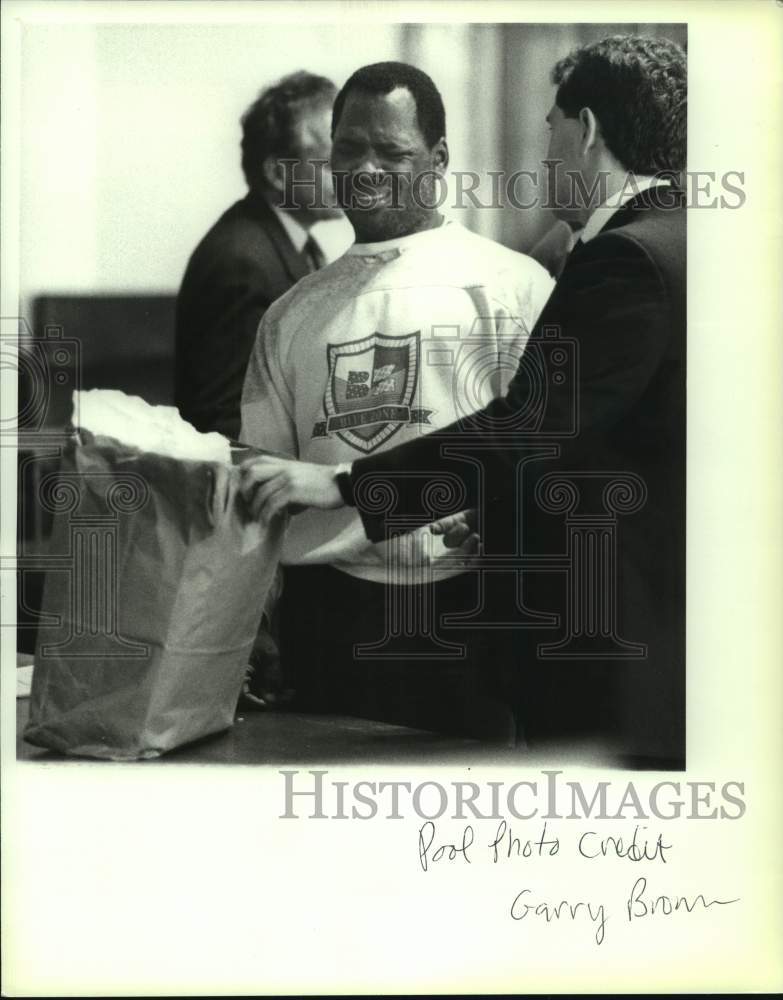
(155, 606)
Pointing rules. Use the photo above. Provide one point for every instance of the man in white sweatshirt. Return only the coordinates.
(418, 323)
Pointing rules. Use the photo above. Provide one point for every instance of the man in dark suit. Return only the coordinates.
(257, 249)
(582, 462)
(552, 250)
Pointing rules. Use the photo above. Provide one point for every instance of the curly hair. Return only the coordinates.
(383, 78)
(638, 90)
(269, 124)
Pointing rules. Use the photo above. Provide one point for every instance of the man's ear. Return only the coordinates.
(440, 156)
(273, 173)
(591, 131)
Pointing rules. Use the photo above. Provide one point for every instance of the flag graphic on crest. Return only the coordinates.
(370, 389)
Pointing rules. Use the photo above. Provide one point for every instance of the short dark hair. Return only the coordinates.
(268, 125)
(383, 78)
(638, 90)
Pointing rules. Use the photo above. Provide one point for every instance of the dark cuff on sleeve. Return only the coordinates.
(345, 486)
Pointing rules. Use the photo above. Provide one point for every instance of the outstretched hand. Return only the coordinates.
(272, 485)
(458, 530)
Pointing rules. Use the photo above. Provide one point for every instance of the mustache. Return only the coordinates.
(367, 186)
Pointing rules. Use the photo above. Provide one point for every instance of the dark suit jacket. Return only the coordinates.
(240, 267)
(602, 382)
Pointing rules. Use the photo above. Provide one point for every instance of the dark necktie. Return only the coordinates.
(572, 255)
(313, 254)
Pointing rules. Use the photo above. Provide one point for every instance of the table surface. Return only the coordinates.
(282, 737)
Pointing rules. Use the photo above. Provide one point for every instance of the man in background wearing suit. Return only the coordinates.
(257, 249)
(614, 415)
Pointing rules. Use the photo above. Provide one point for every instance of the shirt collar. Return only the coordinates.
(296, 233)
(400, 243)
(635, 184)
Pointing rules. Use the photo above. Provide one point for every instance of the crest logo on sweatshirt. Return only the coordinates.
(370, 389)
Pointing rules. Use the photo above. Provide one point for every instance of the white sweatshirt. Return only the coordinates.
(390, 341)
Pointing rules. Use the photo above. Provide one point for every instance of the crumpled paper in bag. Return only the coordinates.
(159, 601)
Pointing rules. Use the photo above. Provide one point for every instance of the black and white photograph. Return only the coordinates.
(390, 435)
